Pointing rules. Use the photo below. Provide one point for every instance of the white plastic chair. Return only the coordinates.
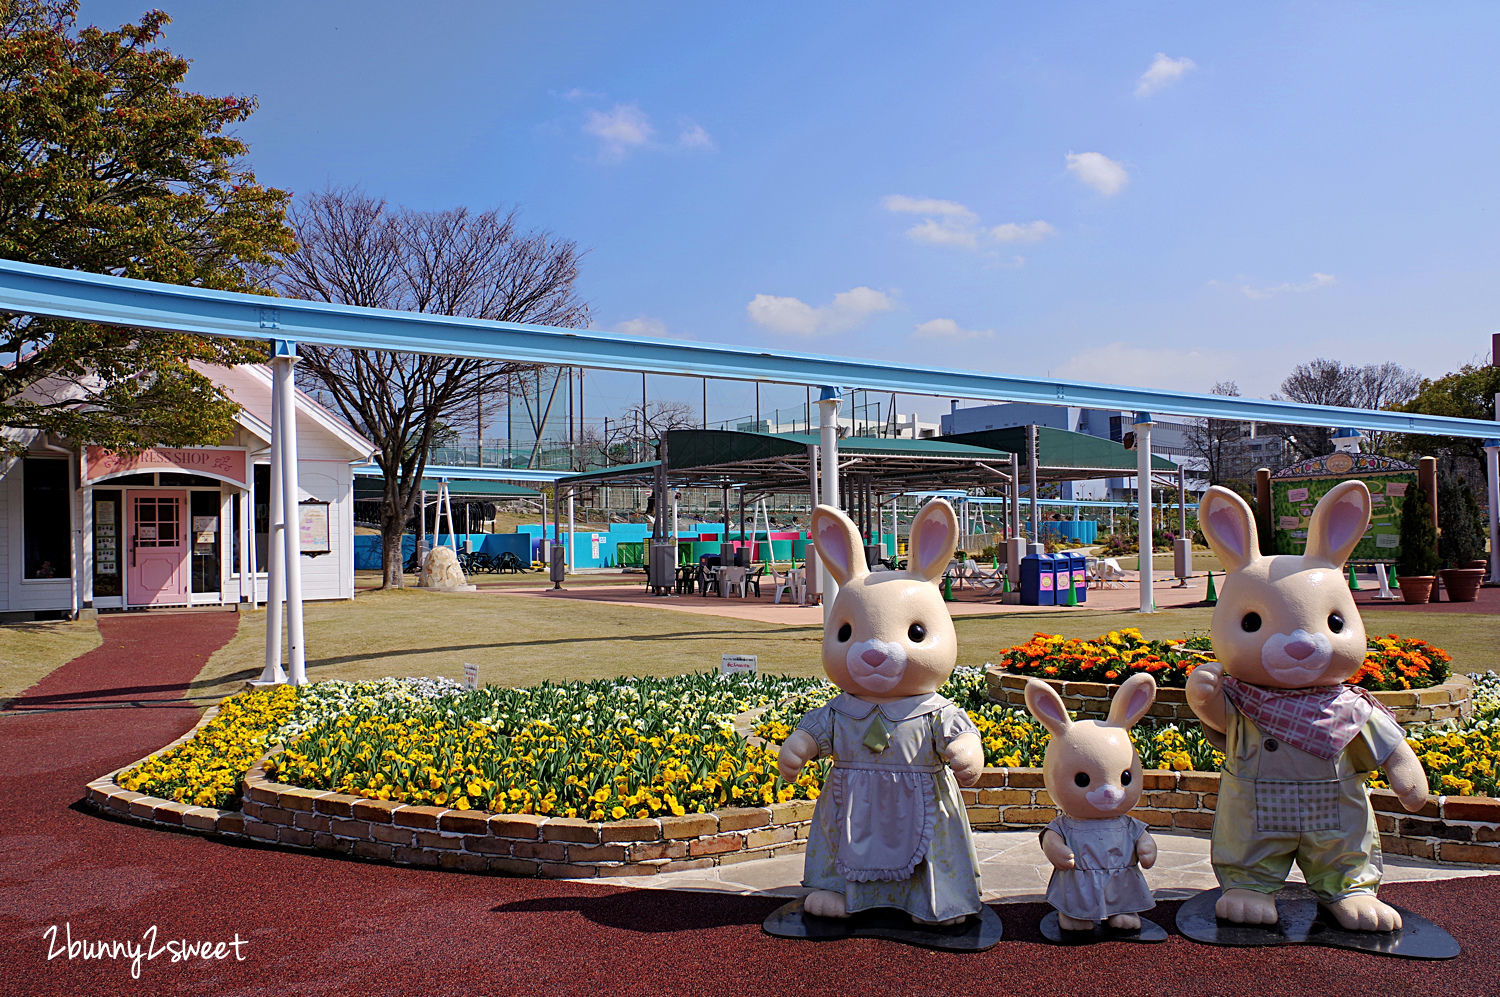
(1110, 572)
(732, 578)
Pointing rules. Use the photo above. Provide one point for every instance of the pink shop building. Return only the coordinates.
(83, 528)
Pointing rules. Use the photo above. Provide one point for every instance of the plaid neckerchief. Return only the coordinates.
(1321, 720)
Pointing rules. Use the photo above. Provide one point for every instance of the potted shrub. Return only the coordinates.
(1416, 567)
(1461, 539)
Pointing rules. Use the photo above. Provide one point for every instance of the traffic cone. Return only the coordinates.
(1213, 596)
(947, 588)
(1005, 585)
(1072, 596)
(1353, 582)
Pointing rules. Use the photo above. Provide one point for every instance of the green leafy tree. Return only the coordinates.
(108, 165)
(1467, 393)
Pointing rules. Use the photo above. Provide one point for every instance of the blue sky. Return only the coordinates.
(1156, 194)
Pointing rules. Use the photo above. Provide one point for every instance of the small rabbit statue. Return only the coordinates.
(1298, 742)
(1093, 774)
(889, 829)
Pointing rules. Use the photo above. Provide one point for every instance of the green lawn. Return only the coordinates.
(518, 642)
(29, 651)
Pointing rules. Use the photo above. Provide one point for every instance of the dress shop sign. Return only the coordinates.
(228, 463)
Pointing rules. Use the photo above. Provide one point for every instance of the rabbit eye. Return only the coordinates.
(1125, 778)
(845, 632)
(1335, 622)
(916, 633)
(1081, 779)
(1250, 623)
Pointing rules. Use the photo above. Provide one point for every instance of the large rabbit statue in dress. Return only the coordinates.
(1299, 742)
(889, 829)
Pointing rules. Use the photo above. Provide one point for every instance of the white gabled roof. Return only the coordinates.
(250, 386)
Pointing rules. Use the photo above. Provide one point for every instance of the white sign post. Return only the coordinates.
(471, 676)
(737, 664)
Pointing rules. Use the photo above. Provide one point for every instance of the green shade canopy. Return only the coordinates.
(778, 462)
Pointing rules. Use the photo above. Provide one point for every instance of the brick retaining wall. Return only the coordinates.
(1448, 829)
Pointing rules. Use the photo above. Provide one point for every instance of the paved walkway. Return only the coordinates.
(1014, 871)
(317, 925)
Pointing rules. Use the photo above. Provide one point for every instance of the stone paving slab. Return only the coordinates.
(1013, 870)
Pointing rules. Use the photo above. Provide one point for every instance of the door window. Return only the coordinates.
(205, 541)
(156, 521)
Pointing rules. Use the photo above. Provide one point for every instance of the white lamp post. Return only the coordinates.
(829, 402)
(1143, 503)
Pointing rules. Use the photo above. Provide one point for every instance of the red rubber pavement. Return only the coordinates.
(317, 925)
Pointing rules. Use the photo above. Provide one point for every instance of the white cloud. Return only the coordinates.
(1147, 367)
(1096, 170)
(643, 325)
(795, 317)
(694, 136)
(947, 330)
(1022, 232)
(929, 206)
(949, 223)
(619, 130)
(578, 93)
(943, 233)
(1317, 281)
(1163, 72)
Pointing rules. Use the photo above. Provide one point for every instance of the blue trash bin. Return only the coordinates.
(1038, 580)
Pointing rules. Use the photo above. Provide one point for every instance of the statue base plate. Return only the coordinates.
(1304, 922)
(974, 934)
(1149, 931)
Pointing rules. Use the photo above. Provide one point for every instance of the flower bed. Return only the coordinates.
(633, 743)
(1391, 662)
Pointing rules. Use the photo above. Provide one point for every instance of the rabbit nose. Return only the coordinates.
(872, 657)
(1299, 647)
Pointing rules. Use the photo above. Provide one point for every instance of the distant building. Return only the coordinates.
(1169, 439)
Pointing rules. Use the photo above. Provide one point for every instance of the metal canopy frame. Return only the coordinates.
(779, 465)
(85, 297)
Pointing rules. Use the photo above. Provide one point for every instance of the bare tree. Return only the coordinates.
(1333, 382)
(355, 249)
(1219, 443)
(626, 438)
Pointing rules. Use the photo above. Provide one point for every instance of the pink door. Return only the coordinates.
(157, 574)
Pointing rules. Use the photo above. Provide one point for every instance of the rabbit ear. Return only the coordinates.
(1338, 523)
(1047, 706)
(837, 542)
(1132, 701)
(1230, 528)
(934, 535)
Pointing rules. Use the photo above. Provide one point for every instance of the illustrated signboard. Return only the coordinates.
(1295, 491)
(313, 523)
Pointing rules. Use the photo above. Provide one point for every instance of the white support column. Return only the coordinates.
(1492, 462)
(828, 424)
(676, 530)
(276, 548)
(1143, 504)
(572, 529)
(251, 557)
(281, 368)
